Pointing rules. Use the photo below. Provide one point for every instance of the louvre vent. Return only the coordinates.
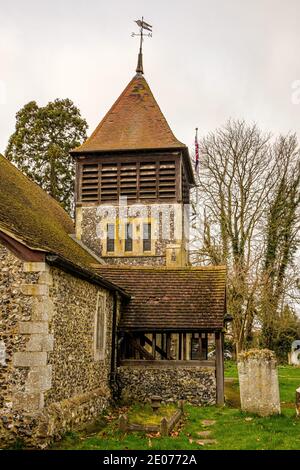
(90, 183)
(148, 180)
(128, 180)
(103, 182)
(109, 182)
(167, 186)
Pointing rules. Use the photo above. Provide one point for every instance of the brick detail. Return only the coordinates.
(35, 289)
(35, 267)
(46, 278)
(28, 401)
(39, 378)
(29, 359)
(38, 341)
(31, 327)
(42, 310)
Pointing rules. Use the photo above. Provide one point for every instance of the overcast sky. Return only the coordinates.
(208, 60)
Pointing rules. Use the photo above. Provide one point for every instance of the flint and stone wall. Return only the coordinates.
(50, 378)
(197, 385)
(168, 227)
(258, 378)
(15, 310)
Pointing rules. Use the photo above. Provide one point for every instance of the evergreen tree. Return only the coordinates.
(41, 143)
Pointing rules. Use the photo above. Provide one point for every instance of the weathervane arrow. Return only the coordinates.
(143, 26)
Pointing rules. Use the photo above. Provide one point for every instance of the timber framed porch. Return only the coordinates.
(172, 349)
(172, 320)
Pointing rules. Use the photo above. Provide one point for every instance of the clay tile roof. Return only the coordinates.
(134, 122)
(165, 298)
(32, 217)
(35, 218)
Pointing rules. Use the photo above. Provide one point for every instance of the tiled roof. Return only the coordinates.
(166, 298)
(134, 122)
(32, 216)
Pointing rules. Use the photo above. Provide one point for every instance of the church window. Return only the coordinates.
(100, 330)
(110, 242)
(147, 237)
(128, 237)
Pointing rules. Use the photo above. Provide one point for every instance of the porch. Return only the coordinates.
(163, 333)
(173, 364)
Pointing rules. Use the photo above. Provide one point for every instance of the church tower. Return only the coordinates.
(133, 179)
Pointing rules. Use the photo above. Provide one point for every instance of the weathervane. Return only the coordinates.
(142, 25)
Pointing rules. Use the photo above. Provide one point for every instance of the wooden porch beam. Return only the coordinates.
(200, 345)
(168, 346)
(144, 353)
(184, 347)
(153, 344)
(157, 348)
(180, 346)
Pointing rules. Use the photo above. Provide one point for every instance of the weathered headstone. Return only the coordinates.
(258, 377)
(295, 353)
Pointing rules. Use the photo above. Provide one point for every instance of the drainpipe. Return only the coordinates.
(113, 384)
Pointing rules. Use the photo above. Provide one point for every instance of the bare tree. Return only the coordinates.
(237, 179)
(281, 238)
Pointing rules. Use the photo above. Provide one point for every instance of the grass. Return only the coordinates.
(143, 414)
(289, 380)
(232, 430)
(230, 369)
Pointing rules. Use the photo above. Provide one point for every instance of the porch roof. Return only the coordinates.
(190, 298)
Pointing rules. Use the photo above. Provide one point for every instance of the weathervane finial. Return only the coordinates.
(142, 25)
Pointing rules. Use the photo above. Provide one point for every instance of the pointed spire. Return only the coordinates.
(134, 122)
(139, 67)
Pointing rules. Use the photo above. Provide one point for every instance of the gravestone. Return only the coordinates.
(295, 353)
(258, 377)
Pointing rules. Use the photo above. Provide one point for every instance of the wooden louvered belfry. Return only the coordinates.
(134, 154)
(144, 180)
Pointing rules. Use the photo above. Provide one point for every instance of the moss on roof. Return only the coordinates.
(34, 217)
(186, 298)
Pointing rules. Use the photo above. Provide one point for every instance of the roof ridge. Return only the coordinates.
(160, 268)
